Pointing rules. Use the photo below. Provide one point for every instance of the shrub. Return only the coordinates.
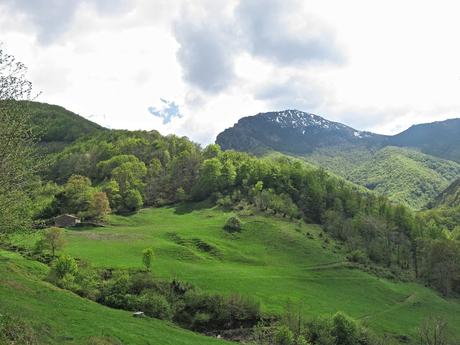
(142, 281)
(65, 265)
(358, 256)
(344, 329)
(225, 202)
(284, 336)
(207, 312)
(233, 224)
(154, 305)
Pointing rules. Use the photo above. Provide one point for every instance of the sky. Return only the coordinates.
(194, 67)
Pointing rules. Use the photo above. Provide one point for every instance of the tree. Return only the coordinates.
(129, 175)
(147, 258)
(16, 149)
(132, 200)
(54, 239)
(76, 196)
(228, 176)
(112, 190)
(99, 207)
(209, 178)
(212, 151)
(433, 332)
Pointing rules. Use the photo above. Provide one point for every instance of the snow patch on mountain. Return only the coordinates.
(301, 120)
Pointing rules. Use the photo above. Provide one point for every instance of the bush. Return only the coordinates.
(233, 224)
(344, 329)
(207, 312)
(65, 265)
(284, 336)
(358, 256)
(154, 305)
(225, 202)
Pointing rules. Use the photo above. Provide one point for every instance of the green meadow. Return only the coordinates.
(271, 259)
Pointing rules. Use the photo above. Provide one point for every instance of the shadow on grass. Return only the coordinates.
(189, 207)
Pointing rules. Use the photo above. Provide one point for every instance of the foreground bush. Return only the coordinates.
(233, 224)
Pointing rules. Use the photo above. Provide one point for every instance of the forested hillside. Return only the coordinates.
(404, 175)
(57, 127)
(450, 197)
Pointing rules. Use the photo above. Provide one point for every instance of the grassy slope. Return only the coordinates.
(60, 317)
(404, 175)
(270, 259)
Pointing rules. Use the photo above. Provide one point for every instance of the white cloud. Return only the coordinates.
(375, 66)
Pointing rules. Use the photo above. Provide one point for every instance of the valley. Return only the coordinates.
(324, 245)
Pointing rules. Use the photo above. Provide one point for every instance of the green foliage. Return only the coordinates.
(404, 175)
(147, 258)
(358, 256)
(212, 151)
(209, 178)
(179, 302)
(450, 197)
(65, 265)
(99, 207)
(57, 126)
(53, 239)
(132, 201)
(284, 336)
(18, 160)
(344, 330)
(154, 305)
(233, 224)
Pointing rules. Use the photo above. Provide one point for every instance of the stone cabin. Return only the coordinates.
(66, 220)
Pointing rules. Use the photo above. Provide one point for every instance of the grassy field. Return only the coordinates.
(60, 317)
(270, 259)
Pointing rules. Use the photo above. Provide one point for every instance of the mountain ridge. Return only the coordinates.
(415, 136)
(378, 162)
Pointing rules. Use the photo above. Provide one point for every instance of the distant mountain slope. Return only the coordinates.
(402, 173)
(405, 175)
(57, 126)
(441, 139)
(291, 131)
(450, 197)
